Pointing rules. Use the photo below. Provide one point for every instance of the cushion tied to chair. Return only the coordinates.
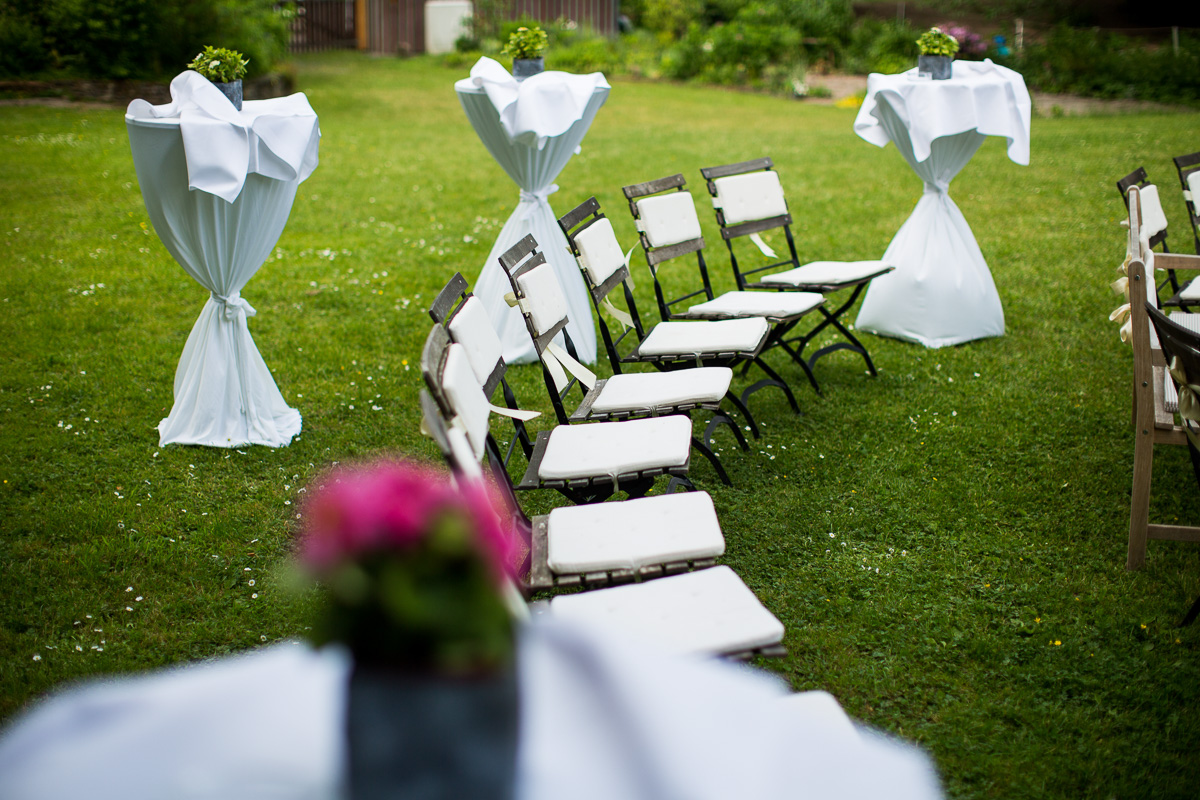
(1189, 401)
(763, 247)
(232, 305)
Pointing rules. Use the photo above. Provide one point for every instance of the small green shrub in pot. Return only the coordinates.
(937, 50)
(526, 47)
(223, 67)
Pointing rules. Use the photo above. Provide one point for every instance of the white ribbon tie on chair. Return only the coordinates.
(557, 359)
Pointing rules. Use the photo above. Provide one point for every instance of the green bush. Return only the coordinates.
(1096, 64)
(135, 38)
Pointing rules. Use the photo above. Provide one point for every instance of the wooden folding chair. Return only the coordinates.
(623, 396)
(1188, 168)
(748, 199)
(586, 463)
(1153, 393)
(668, 345)
(669, 229)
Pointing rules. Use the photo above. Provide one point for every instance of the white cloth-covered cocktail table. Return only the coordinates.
(219, 186)
(532, 128)
(941, 292)
(602, 717)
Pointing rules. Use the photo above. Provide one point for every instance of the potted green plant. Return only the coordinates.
(225, 68)
(526, 47)
(413, 567)
(937, 50)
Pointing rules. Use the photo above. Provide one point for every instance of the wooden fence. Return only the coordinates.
(323, 25)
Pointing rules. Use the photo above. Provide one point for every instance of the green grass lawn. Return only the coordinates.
(945, 543)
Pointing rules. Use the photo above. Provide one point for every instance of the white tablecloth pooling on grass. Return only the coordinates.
(602, 717)
(941, 292)
(219, 186)
(532, 128)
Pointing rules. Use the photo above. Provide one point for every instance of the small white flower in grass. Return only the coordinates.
(254, 596)
(138, 599)
(37, 657)
(129, 588)
(976, 374)
(79, 648)
(129, 608)
(250, 582)
(262, 638)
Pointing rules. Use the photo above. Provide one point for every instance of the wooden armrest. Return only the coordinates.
(1176, 261)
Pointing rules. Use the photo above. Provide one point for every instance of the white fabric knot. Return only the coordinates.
(232, 305)
(532, 199)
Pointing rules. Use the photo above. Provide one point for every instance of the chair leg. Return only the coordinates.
(772, 379)
(721, 418)
(737, 401)
(1139, 507)
(707, 452)
(1191, 615)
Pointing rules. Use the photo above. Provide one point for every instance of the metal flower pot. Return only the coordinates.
(232, 90)
(527, 67)
(422, 737)
(940, 68)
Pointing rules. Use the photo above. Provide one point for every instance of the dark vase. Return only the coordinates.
(528, 67)
(232, 90)
(940, 68)
(421, 737)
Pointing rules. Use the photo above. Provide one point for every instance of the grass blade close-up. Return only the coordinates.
(945, 543)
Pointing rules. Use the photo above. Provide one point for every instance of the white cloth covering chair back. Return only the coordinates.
(471, 328)
(668, 219)
(465, 396)
(599, 251)
(750, 197)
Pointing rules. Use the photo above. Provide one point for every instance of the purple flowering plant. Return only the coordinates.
(969, 43)
(413, 566)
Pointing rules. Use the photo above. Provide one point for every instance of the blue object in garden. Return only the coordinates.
(1001, 46)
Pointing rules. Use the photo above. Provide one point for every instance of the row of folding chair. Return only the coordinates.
(694, 606)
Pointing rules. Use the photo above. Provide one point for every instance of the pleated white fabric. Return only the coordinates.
(224, 393)
(534, 170)
(941, 292)
(602, 716)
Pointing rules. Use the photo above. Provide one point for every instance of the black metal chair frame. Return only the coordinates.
(1179, 343)
(1185, 166)
(580, 219)
(831, 318)
(523, 257)
(656, 256)
(1140, 179)
(535, 571)
(592, 489)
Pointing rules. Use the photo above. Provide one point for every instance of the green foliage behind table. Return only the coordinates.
(134, 38)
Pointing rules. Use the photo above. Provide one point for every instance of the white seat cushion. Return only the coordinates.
(668, 219)
(544, 298)
(693, 338)
(599, 251)
(613, 448)
(754, 196)
(1154, 221)
(1192, 290)
(827, 273)
(757, 304)
(710, 611)
(654, 390)
(472, 328)
(1193, 184)
(634, 533)
(465, 396)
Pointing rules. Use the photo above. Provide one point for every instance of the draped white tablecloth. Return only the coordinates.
(601, 717)
(941, 292)
(532, 128)
(219, 186)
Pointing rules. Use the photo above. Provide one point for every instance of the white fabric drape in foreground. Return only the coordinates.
(602, 717)
(188, 163)
(941, 292)
(533, 159)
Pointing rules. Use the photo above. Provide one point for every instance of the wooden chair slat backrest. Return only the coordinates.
(1187, 166)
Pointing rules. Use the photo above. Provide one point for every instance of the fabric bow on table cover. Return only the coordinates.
(219, 186)
(532, 128)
